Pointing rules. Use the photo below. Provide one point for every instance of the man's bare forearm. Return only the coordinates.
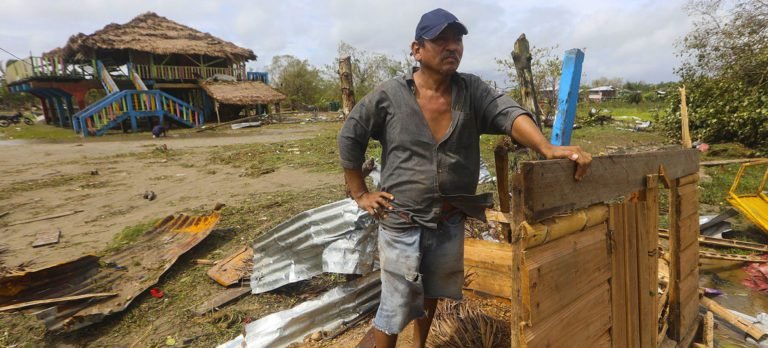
(355, 182)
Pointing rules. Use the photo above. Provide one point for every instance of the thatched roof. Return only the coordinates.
(154, 34)
(242, 92)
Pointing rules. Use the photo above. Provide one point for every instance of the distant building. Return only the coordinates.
(602, 93)
(150, 69)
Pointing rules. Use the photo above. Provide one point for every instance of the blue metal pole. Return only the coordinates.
(568, 97)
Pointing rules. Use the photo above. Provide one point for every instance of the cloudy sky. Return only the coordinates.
(631, 39)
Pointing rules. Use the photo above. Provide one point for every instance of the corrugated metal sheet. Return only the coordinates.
(127, 272)
(337, 238)
(336, 307)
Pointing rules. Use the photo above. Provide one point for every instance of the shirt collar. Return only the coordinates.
(412, 85)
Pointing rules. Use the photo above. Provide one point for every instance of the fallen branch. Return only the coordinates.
(56, 300)
(47, 217)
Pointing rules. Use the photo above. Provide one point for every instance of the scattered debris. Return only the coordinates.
(730, 257)
(246, 125)
(334, 308)
(723, 313)
(222, 298)
(204, 262)
(149, 195)
(127, 272)
(731, 161)
(709, 292)
(463, 324)
(727, 243)
(234, 267)
(156, 293)
(47, 217)
(94, 172)
(50, 301)
(758, 277)
(337, 237)
(47, 238)
(716, 225)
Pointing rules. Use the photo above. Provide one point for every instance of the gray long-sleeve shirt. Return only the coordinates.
(420, 173)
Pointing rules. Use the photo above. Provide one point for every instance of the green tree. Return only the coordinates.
(725, 71)
(297, 79)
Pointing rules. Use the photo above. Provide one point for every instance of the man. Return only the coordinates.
(429, 123)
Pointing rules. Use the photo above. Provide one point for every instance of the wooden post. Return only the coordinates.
(568, 97)
(520, 299)
(501, 159)
(347, 87)
(522, 58)
(686, 133)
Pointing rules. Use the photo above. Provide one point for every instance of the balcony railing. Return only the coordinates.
(171, 72)
(31, 67)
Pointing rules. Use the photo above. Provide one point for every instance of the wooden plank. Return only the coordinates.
(46, 238)
(577, 325)
(723, 313)
(708, 332)
(689, 260)
(609, 177)
(57, 300)
(568, 97)
(488, 266)
(689, 204)
(633, 286)
(689, 230)
(685, 132)
(652, 253)
(520, 300)
(674, 330)
(689, 314)
(617, 228)
(732, 161)
(730, 257)
(726, 243)
(645, 311)
(604, 341)
(222, 298)
(562, 271)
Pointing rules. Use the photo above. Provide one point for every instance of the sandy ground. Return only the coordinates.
(112, 200)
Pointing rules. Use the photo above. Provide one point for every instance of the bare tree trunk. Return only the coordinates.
(347, 89)
(522, 58)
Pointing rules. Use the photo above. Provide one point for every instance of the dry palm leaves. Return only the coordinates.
(463, 324)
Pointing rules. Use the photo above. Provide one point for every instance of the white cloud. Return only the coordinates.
(633, 40)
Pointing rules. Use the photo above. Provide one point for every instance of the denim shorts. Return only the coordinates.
(418, 263)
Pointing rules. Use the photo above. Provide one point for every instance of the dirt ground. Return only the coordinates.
(39, 179)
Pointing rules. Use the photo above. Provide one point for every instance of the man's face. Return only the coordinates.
(443, 53)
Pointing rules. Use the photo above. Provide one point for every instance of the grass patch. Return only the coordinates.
(129, 235)
(37, 131)
(319, 153)
(38, 184)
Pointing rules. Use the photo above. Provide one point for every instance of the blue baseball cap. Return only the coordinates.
(433, 22)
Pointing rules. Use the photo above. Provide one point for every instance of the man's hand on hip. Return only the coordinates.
(375, 203)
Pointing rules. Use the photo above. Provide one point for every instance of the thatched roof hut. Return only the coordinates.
(242, 92)
(155, 34)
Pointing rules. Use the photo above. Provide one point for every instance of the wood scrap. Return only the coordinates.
(234, 267)
(726, 243)
(222, 298)
(46, 238)
(730, 257)
(724, 314)
(47, 217)
(731, 161)
(56, 300)
(5, 213)
(205, 262)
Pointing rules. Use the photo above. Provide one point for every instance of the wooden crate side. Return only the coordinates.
(619, 295)
(604, 341)
(633, 272)
(562, 271)
(577, 325)
(489, 267)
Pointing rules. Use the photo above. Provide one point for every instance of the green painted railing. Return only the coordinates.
(50, 66)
